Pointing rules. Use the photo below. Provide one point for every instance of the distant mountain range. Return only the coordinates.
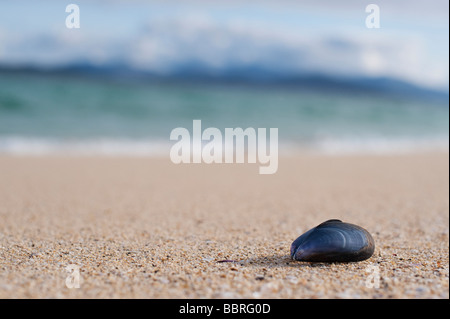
(243, 76)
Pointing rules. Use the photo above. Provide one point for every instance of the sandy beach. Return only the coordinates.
(147, 228)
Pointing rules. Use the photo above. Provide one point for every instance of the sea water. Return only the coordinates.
(59, 113)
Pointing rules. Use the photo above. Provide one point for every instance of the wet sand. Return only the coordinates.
(147, 228)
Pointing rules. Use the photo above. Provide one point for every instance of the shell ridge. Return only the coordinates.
(328, 222)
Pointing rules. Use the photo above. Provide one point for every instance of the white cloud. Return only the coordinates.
(199, 38)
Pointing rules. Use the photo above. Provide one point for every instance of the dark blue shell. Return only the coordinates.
(333, 241)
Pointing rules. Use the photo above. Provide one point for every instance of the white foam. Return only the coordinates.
(380, 146)
(101, 146)
(17, 145)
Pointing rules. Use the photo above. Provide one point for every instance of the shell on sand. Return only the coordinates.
(333, 241)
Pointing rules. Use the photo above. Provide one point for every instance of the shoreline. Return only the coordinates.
(161, 147)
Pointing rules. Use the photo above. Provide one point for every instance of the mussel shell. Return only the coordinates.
(333, 241)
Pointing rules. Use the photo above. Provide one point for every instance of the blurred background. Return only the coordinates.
(135, 70)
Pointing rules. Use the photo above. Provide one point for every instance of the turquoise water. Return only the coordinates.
(47, 112)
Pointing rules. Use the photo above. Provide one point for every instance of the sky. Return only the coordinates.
(325, 37)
